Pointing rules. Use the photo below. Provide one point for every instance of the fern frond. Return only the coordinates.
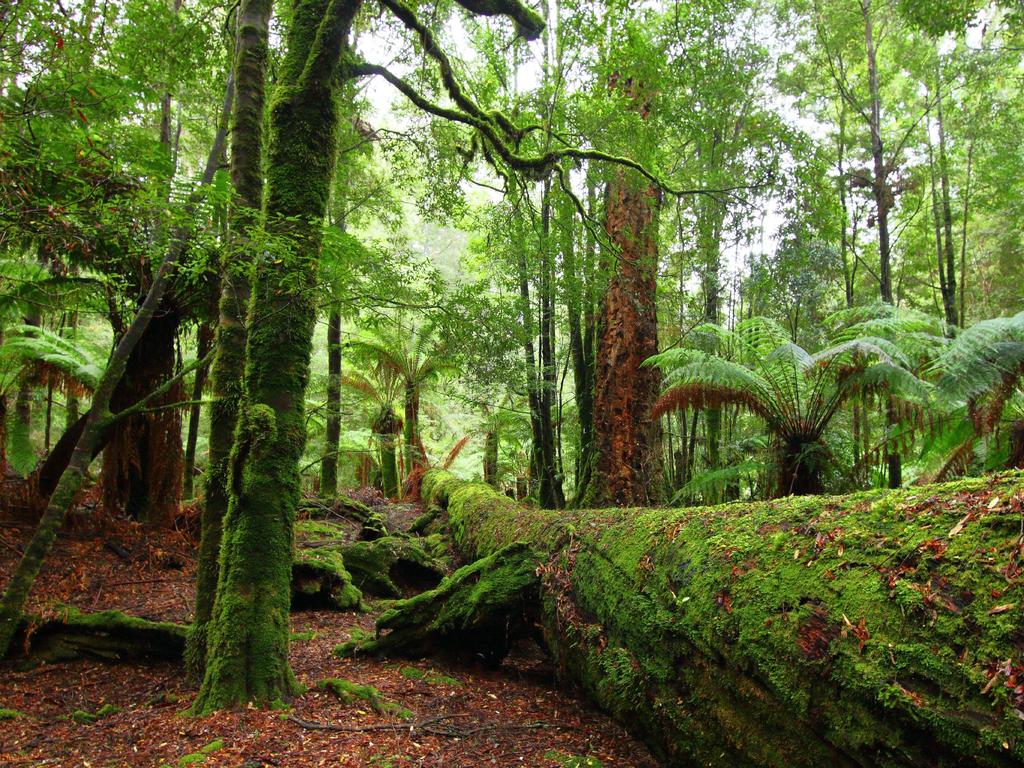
(707, 395)
(713, 483)
(47, 357)
(453, 454)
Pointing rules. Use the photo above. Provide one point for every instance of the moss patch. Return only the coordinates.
(428, 676)
(861, 630)
(349, 692)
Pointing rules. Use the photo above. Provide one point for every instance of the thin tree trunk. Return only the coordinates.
(551, 494)
(329, 463)
(949, 288)
(203, 347)
(880, 183)
(963, 235)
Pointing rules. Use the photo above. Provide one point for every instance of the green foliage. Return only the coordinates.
(796, 393)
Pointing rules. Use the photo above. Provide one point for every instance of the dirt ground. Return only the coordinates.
(461, 715)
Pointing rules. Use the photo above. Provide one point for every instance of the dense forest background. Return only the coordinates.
(279, 280)
(830, 171)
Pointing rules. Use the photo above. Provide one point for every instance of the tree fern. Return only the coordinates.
(796, 393)
(47, 357)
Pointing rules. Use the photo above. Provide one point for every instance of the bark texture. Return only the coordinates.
(626, 438)
(142, 462)
(849, 631)
(228, 369)
(247, 657)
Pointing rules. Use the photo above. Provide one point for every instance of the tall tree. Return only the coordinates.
(228, 369)
(626, 435)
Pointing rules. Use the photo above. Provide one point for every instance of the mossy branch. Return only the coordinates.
(141, 405)
(495, 127)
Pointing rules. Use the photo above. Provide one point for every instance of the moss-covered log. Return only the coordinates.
(374, 526)
(384, 567)
(879, 629)
(107, 635)
(479, 610)
(320, 580)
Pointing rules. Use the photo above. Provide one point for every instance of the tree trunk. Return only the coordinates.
(142, 461)
(949, 251)
(551, 493)
(491, 457)
(228, 370)
(203, 347)
(626, 438)
(247, 659)
(578, 309)
(329, 463)
(415, 451)
(669, 623)
(880, 181)
(22, 452)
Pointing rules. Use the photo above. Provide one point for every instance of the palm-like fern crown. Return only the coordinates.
(45, 357)
(413, 353)
(983, 367)
(796, 392)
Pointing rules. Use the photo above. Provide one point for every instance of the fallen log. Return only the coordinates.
(321, 580)
(372, 522)
(878, 629)
(480, 610)
(106, 635)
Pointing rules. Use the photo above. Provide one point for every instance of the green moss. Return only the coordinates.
(82, 717)
(196, 758)
(800, 632)
(213, 746)
(320, 579)
(302, 637)
(383, 566)
(353, 693)
(428, 676)
(573, 761)
(480, 610)
(9, 714)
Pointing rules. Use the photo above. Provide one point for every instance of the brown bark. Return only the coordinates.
(142, 462)
(626, 438)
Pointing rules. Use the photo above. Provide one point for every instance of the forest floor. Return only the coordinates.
(461, 715)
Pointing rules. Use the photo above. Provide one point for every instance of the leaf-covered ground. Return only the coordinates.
(88, 713)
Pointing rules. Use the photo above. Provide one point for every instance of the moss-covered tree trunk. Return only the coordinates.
(386, 429)
(879, 629)
(626, 438)
(228, 370)
(247, 657)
